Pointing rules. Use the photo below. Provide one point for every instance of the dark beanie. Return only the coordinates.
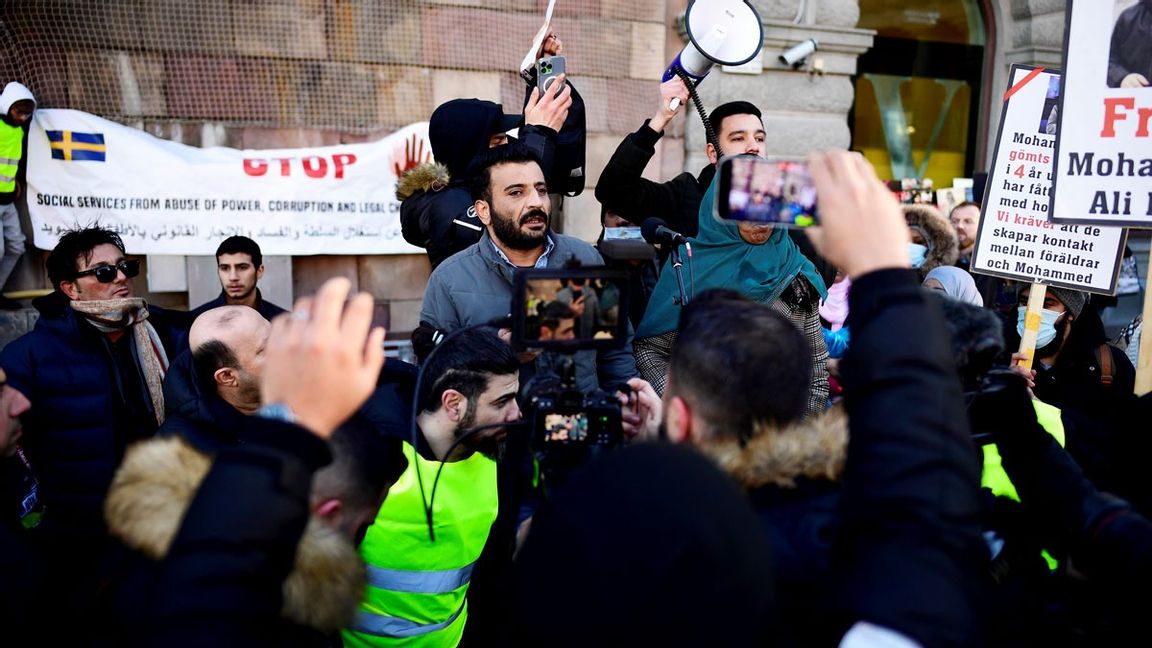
(1073, 300)
(650, 545)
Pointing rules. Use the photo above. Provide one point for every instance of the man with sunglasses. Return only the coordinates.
(92, 368)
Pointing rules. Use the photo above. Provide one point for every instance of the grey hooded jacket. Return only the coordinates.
(475, 286)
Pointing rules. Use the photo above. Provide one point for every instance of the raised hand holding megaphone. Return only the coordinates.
(673, 93)
(724, 32)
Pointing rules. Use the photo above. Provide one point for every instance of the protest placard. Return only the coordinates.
(1104, 149)
(1016, 239)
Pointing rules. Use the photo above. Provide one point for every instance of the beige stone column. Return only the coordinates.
(804, 109)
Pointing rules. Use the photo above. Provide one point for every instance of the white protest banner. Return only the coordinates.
(169, 198)
(1016, 240)
(1104, 148)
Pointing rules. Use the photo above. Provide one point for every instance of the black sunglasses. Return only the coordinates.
(107, 273)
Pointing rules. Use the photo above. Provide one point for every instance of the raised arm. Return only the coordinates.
(910, 549)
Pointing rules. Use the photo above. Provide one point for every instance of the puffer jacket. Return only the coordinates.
(71, 438)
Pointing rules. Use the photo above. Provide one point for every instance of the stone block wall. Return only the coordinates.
(288, 73)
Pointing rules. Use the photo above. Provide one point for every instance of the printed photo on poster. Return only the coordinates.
(1130, 57)
(1103, 148)
(1049, 114)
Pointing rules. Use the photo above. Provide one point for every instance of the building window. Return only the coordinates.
(918, 88)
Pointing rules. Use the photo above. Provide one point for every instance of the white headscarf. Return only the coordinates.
(958, 284)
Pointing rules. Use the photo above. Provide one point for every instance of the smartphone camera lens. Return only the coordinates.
(547, 67)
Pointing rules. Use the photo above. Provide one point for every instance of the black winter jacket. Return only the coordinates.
(221, 583)
(265, 308)
(910, 552)
(71, 438)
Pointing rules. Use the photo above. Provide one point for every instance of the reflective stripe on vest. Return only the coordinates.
(11, 143)
(416, 594)
(419, 582)
(386, 626)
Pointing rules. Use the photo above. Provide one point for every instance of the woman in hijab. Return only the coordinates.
(756, 260)
(955, 283)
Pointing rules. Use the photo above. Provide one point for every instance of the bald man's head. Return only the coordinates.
(228, 351)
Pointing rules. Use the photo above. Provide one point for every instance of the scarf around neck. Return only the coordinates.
(722, 259)
(111, 315)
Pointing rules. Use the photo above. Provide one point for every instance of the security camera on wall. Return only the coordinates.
(796, 54)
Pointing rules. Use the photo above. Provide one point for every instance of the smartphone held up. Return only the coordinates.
(547, 71)
(766, 190)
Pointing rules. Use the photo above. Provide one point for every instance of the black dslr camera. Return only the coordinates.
(550, 315)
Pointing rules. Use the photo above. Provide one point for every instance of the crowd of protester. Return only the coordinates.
(831, 442)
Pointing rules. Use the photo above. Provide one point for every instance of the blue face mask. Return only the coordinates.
(1047, 326)
(916, 254)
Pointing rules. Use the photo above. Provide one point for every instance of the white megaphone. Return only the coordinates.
(724, 32)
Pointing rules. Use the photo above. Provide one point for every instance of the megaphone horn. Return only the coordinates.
(724, 32)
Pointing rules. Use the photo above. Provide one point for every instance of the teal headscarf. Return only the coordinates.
(721, 259)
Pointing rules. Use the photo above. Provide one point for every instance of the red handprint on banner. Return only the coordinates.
(411, 156)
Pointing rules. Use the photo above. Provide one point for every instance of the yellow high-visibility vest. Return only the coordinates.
(417, 587)
(11, 148)
(995, 478)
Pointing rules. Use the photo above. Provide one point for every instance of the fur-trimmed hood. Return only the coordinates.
(943, 246)
(429, 176)
(151, 493)
(812, 449)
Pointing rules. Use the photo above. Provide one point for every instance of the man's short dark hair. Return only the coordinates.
(480, 171)
(739, 364)
(364, 462)
(966, 203)
(208, 358)
(75, 245)
(240, 245)
(719, 113)
(465, 362)
(554, 312)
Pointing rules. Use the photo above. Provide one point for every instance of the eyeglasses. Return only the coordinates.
(107, 273)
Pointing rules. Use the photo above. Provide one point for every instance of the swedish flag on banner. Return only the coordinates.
(70, 145)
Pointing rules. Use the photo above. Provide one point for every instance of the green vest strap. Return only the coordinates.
(420, 582)
(387, 626)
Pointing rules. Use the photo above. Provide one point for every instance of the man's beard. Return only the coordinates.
(507, 230)
(249, 388)
(491, 447)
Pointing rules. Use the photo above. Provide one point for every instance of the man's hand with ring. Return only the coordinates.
(323, 359)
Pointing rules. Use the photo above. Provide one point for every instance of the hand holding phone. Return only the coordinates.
(766, 190)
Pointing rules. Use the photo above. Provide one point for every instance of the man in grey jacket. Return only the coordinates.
(475, 286)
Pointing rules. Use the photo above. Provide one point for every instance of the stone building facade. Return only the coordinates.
(286, 73)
